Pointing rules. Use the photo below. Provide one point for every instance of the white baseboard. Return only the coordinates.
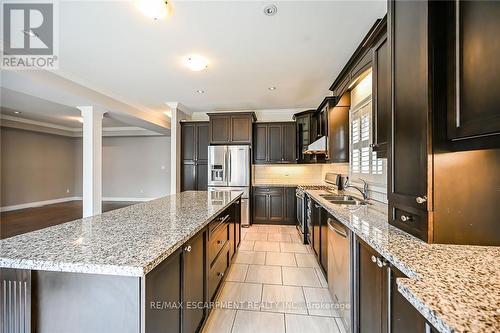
(38, 203)
(127, 199)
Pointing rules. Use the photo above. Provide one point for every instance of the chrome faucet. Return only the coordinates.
(363, 191)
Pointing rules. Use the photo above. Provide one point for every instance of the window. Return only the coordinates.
(364, 162)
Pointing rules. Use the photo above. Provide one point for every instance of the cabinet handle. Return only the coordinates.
(219, 242)
(381, 262)
(374, 259)
(373, 145)
(406, 218)
(187, 248)
(457, 63)
(421, 200)
(221, 274)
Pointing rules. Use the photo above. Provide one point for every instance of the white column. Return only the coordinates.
(178, 113)
(92, 160)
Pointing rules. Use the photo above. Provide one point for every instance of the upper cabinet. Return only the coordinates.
(231, 128)
(473, 54)
(306, 127)
(194, 156)
(335, 112)
(381, 97)
(274, 143)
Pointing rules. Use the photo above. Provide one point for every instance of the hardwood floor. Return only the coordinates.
(25, 220)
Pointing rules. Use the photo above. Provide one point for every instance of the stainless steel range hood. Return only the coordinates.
(317, 147)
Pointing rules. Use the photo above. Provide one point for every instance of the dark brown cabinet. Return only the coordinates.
(306, 132)
(274, 205)
(371, 285)
(473, 54)
(319, 221)
(335, 112)
(274, 143)
(381, 97)
(231, 128)
(194, 156)
(410, 148)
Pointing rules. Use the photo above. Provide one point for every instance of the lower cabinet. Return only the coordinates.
(190, 277)
(319, 219)
(274, 205)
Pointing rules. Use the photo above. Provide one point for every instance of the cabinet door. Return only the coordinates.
(260, 144)
(276, 205)
(381, 98)
(163, 284)
(408, 36)
(220, 129)
(404, 317)
(474, 100)
(188, 142)
(291, 205)
(202, 142)
(193, 259)
(260, 204)
(188, 174)
(288, 143)
(274, 143)
(241, 129)
(324, 240)
(371, 291)
(338, 131)
(201, 176)
(316, 236)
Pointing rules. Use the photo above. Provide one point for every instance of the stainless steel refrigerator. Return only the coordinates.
(229, 169)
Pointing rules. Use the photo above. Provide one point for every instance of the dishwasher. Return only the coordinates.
(340, 269)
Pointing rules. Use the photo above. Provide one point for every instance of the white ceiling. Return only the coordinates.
(112, 48)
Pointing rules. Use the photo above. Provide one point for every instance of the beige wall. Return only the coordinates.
(38, 167)
(35, 166)
(296, 173)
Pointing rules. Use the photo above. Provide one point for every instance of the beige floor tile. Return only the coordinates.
(279, 237)
(297, 238)
(321, 277)
(252, 229)
(288, 229)
(299, 276)
(306, 260)
(220, 321)
(237, 273)
(284, 299)
(264, 274)
(237, 295)
(320, 302)
(269, 229)
(250, 257)
(293, 247)
(256, 236)
(309, 324)
(258, 322)
(280, 259)
(246, 245)
(266, 246)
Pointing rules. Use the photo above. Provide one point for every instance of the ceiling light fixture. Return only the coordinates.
(17, 112)
(200, 91)
(196, 63)
(270, 10)
(155, 9)
(272, 88)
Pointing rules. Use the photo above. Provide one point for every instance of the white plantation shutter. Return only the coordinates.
(364, 161)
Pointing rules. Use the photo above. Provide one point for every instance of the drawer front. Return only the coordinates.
(413, 221)
(217, 272)
(217, 241)
(217, 222)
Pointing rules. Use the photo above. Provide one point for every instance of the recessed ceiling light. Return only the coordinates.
(155, 9)
(196, 63)
(272, 88)
(270, 10)
(200, 91)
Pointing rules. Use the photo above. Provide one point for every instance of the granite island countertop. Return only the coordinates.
(129, 241)
(455, 287)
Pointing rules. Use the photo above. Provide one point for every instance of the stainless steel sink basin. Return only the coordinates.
(342, 199)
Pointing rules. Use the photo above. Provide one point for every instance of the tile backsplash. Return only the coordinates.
(295, 173)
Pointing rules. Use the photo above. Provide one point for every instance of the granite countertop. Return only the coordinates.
(129, 241)
(455, 287)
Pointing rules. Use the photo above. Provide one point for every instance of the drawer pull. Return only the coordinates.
(421, 200)
(221, 274)
(381, 263)
(219, 242)
(187, 248)
(374, 259)
(406, 218)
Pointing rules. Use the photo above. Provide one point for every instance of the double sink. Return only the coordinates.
(342, 199)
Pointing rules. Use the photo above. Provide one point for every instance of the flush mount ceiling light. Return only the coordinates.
(272, 88)
(17, 112)
(270, 10)
(200, 91)
(196, 63)
(155, 9)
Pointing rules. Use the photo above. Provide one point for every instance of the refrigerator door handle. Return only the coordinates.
(230, 165)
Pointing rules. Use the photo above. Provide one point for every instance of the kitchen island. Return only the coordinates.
(128, 270)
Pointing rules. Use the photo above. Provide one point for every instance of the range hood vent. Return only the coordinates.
(317, 147)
